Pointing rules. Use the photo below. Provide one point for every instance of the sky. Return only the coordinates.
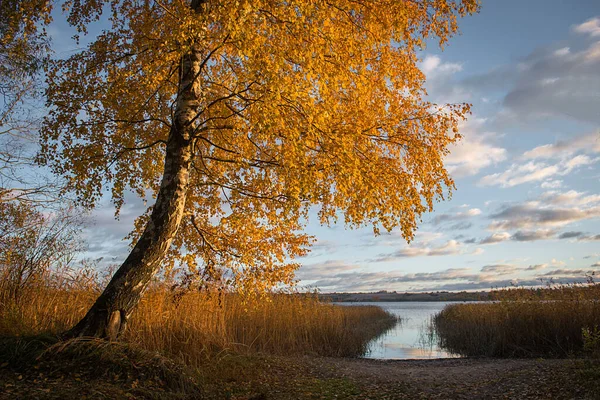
(527, 202)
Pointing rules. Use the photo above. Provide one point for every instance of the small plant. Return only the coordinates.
(591, 341)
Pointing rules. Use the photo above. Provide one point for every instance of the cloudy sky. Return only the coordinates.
(527, 204)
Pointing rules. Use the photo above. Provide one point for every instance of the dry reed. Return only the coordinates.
(523, 323)
(202, 324)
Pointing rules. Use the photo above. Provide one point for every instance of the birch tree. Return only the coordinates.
(239, 117)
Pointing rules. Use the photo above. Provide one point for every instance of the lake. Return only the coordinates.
(408, 340)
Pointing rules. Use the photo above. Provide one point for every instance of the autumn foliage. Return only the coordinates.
(303, 103)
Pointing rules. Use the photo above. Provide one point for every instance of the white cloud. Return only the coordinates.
(589, 143)
(475, 151)
(369, 281)
(535, 215)
(451, 247)
(327, 268)
(430, 63)
(433, 65)
(578, 161)
(572, 197)
(548, 83)
(518, 174)
(536, 267)
(557, 263)
(496, 238)
(535, 171)
(458, 216)
(499, 269)
(552, 184)
(590, 27)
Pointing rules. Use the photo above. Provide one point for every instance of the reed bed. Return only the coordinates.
(202, 324)
(557, 322)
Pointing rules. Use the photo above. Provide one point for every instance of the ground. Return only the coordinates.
(76, 373)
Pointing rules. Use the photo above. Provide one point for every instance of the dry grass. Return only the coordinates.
(524, 323)
(201, 325)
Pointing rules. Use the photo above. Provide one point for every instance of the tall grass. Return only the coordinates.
(202, 324)
(560, 321)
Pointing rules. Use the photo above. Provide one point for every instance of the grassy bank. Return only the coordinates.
(199, 325)
(557, 322)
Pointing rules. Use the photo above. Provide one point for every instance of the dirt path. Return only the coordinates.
(464, 378)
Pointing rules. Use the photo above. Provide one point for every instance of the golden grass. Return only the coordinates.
(523, 323)
(201, 325)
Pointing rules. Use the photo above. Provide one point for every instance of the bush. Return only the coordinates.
(32, 244)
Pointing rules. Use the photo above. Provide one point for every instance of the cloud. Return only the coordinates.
(589, 238)
(393, 238)
(460, 226)
(533, 171)
(552, 82)
(322, 247)
(449, 248)
(494, 284)
(562, 51)
(566, 272)
(552, 184)
(496, 238)
(461, 215)
(105, 235)
(570, 235)
(535, 215)
(327, 268)
(475, 151)
(571, 197)
(590, 27)
(536, 267)
(464, 279)
(499, 269)
(557, 263)
(595, 265)
(433, 67)
(478, 251)
(447, 279)
(558, 84)
(581, 236)
(370, 281)
(529, 236)
(589, 143)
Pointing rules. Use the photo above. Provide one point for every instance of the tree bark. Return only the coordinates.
(107, 318)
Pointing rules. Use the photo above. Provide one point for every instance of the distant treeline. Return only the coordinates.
(395, 296)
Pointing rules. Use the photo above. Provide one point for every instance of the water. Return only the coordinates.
(409, 339)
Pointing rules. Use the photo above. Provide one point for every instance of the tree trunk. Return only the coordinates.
(108, 316)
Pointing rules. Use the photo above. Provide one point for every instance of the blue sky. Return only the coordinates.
(527, 172)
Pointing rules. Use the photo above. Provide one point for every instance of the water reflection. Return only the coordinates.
(412, 338)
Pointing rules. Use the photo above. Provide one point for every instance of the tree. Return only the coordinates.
(24, 48)
(32, 245)
(238, 116)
